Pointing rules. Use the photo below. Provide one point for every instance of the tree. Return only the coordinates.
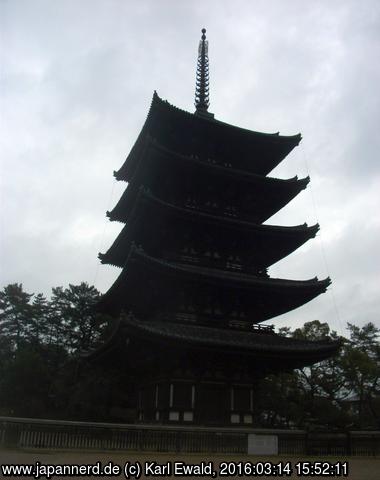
(361, 364)
(323, 382)
(15, 311)
(77, 326)
(38, 321)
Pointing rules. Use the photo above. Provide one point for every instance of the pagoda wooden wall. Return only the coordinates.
(201, 403)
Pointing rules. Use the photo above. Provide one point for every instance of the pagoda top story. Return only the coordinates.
(208, 139)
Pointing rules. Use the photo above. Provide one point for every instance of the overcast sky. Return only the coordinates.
(77, 78)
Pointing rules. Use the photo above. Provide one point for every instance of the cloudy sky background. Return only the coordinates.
(77, 80)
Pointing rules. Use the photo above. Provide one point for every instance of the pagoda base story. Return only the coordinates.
(208, 403)
(193, 375)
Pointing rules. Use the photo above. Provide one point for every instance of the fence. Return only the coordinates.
(55, 434)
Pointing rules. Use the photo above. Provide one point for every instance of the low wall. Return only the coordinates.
(56, 434)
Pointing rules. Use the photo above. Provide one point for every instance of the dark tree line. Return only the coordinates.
(43, 373)
(339, 393)
(41, 342)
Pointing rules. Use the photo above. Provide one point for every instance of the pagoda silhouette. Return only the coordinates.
(194, 255)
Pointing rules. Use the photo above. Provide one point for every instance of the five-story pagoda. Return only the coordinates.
(194, 256)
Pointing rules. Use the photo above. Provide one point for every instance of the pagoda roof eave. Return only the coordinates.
(274, 296)
(231, 341)
(146, 195)
(249, 177)
(242, 278)
(126, 235)
(211, 275)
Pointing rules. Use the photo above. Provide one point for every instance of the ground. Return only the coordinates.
(360, 468)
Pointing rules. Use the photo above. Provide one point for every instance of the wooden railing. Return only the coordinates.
(55, 434)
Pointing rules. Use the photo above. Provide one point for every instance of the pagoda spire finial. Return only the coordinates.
(202, 80)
